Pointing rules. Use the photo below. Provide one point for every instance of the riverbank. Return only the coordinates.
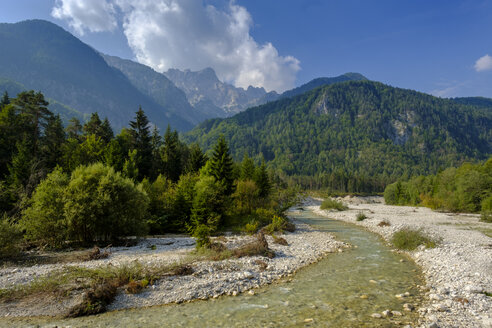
(458, 272)
(206, 279)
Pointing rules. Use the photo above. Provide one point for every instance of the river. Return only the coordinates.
(342, 290)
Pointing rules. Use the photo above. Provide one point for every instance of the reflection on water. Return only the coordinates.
(326, 294)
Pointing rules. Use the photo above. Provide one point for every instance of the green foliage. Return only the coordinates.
(279, 224)
(10, 238)
(246, 198)
(102, 205)
(262, 181)
(354, 136)
(208, 204)
(247, 168)
(44, 220)
(332, 204)
(22, 161)
(52, 142)
(463, 189)
(251, 227)
(202, 233)
(487, 210)
(361, 216)
(171, 156)
(141, 142)
(130, 168)
(409, 239)
(197, 159)
(221, 166)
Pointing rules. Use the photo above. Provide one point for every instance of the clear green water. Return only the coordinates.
(325, 294)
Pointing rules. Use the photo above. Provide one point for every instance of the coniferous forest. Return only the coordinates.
(82, 184)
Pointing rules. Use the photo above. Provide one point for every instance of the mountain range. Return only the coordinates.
(78, 80)
(355, 132)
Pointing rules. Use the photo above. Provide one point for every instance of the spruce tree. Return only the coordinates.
(171, 156)
(222, 166)
(93, 125)
(196, 160)
(141, 141)
(262, 180)
(247, 168)
(22, 161)
(106, 131)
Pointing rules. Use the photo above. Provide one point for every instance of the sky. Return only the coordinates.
(442, 47)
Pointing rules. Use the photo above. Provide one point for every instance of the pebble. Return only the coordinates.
(376, 315)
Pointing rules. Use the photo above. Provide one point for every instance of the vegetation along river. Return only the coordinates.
(325, 294)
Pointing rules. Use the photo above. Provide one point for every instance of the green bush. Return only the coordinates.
(202, 236)
(279, 224)
(331, 204)
(409, 239)
(361, 216)
(487, 210)
(252, 227)
(101, 204)
(208, 204)
(44, 220)
(10, 238)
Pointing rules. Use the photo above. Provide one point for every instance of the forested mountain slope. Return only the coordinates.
(355, 136)
(42, 56)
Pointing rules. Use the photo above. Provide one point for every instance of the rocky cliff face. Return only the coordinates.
(208, 94)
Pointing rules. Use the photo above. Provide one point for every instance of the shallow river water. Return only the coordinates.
(325, 294)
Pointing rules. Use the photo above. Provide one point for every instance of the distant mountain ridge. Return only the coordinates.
(42, 56)
(206, 92)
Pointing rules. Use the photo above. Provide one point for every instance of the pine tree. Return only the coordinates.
(74, 128)
(141, 141)
(5, 100)
(32, 107)
(196, 160)
(247, 168)
(262, 180)
(93, 125)
(171, 156)
(51, 143)
(222, 166)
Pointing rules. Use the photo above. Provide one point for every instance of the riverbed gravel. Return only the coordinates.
(458, 271)
(210, 279)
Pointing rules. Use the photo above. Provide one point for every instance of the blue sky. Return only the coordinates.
(430, 46)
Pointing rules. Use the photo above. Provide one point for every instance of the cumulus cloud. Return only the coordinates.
(187, 34)
(483, 63)
(93, 15)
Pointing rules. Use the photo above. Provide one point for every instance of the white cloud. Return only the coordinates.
(187, 34)
(93, 15)
(483, 63)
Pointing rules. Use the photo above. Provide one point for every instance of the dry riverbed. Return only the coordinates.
(207, 279)
(458, 271)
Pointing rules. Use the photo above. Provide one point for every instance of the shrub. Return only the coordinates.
(361, 216)
(409, 239)
(101, 204)
(202, 236)
(329, 204)
(252, 227)
(246, 197)
(279, 224)
(280, 240)
(44, 221)
(10, 238)
(487, 210)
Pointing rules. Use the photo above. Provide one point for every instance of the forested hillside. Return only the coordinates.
(355, 136)
(42, 56)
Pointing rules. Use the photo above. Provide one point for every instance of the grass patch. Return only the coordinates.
(279, 224)
(361, 216)
(280, 241)
(332, 204)
(409, 239)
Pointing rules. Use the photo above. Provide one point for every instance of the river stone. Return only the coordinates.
(408, 307)
(376, 315)
(387, 313)
(364, 297)
(396, 313)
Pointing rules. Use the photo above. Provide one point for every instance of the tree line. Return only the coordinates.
(467, 188)
(83, 184)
